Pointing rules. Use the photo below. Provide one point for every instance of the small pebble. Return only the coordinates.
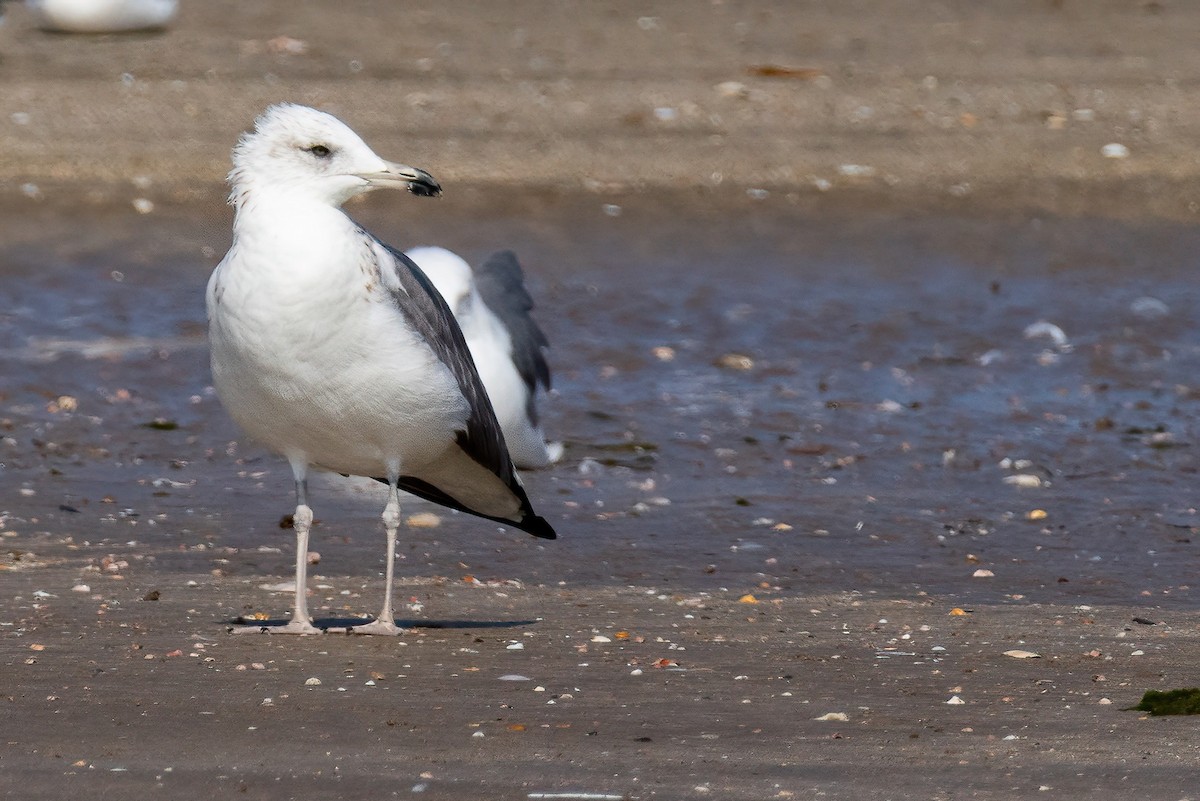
(731, 89)
(735, 361)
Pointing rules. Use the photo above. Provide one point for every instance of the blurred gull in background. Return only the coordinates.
(102, 16)
(493, 308)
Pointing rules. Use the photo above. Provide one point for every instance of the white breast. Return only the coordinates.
(312, 357)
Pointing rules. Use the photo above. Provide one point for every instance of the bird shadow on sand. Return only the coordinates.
(342, 625)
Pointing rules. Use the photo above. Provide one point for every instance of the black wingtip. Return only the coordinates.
(538, 527)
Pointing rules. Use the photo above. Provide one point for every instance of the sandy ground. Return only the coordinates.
(765, 586)
(999, 102)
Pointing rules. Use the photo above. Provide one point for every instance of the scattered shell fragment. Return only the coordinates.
(601, 638)
(81, 588)
(955, 701)
(732, 89)
(838, 716)
(513, 677)
(1017, 653)
(423, 520)
(312, 681)
(747, 599)
(958, 611)
(1042, 328)
(286, 45)
(1149, 308)
(143, 205)
(735, 361)
(664, 353)
(1114, 150)
(983, 572)
(1036, 514)
(1024, 480)
(856, 170)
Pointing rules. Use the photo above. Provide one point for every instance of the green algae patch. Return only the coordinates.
(1171, 702)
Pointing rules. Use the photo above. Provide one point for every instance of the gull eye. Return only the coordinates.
(320, 151)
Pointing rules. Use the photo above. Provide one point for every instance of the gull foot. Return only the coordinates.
(385, 628)
(301, 627)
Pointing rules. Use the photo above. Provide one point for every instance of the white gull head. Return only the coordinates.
(452, 277)
(305, 154)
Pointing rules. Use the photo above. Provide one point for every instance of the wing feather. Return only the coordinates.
(482, 439)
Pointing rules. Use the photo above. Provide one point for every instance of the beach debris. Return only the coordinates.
(955, 701)
(983, 572)
(856, 170)
(747, 599)
(841, 717)
(312, 681)
(990, 357)
(732, 89)
(735, 361)
(287, 46)
(1036, 514)
(1018, 653)
(1027, 480)
(1048, 330)
(958, 611)
(779, 71)
(1170, 702)
(513, 677)
(1114, 150)
(423, 520)
(1148, 308)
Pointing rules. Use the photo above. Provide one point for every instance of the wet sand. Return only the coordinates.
(798, 422)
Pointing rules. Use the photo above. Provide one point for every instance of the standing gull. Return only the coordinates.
(334, 349)
(493, 308)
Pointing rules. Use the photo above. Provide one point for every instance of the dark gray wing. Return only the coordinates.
(423, 307)
(501, 283)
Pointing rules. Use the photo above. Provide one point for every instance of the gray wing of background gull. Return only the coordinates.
(501, 284)
(482, 440)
